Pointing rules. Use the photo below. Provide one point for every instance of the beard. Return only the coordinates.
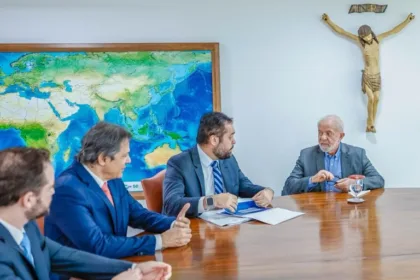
(39, 210)
(222, 154)
(327, 149)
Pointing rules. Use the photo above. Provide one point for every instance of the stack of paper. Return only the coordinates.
(274, 216)
(248, 210)
(220, 219)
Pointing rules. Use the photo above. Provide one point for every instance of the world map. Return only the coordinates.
(51, 99)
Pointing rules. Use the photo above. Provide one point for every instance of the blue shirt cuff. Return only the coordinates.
(310, 185)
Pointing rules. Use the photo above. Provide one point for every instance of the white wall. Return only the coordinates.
(282, 68)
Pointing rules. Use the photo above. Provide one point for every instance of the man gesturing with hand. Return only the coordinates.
(180, 233)
(92, 208)
(208, 176)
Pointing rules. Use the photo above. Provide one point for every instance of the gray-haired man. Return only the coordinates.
(92, 209)
(328, 165)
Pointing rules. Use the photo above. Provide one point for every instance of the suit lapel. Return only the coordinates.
(7, 238)
(320, 163)
(39, 260)
(93, 186)
(345, 161)
(198, 169)
(113, 188)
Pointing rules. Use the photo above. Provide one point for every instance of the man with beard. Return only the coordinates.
(26, 190)
(208, 176)
(327, 166)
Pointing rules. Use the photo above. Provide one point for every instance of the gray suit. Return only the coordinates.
(311, 160)
(184, 182)
(51, 256)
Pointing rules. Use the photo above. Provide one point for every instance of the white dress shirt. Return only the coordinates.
(100, 183)
(16, 233)
(206, 162)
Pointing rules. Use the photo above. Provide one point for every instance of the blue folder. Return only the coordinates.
(246, 207)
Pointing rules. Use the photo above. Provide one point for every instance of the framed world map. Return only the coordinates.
(51, 95)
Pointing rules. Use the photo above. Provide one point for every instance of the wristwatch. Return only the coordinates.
(209, 202)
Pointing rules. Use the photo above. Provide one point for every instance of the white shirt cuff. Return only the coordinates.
(158, 242)
(159, 256)
(201, 205)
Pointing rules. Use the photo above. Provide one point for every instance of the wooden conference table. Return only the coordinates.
(379, 239)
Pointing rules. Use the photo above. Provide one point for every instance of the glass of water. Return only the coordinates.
(357, 187)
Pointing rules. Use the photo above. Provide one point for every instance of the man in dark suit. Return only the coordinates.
(26, 189)
(328, 165)
(92, 209)
(207, 176)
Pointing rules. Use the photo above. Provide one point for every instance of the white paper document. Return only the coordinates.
(362, 193)
(222, 220)
(274, 216)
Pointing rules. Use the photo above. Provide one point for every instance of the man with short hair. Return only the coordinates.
(26, 189)
(208, 176)
(92, 209)
(328, 165)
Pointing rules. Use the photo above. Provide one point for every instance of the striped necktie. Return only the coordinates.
(218, 179)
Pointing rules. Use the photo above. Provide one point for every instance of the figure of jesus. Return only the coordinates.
(371, 76)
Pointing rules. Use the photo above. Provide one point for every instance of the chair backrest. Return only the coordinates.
(152, 188)
(40, 222)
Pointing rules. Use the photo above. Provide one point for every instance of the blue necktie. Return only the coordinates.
(218, 180)
(25, 244)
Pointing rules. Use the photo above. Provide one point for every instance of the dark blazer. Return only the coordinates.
(311, 160)
(184, 182)
(82, 217)
(51, 256)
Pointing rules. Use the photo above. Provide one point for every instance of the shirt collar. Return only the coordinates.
(16, 233)
(98, 180)
(337, 154)
(204, 158)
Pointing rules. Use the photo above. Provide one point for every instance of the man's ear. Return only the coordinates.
(102, 159)
(28, 200)
(214, 140)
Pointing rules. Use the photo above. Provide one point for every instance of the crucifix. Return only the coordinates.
(371, 76)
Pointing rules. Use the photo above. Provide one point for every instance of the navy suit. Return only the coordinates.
(82, 217)
(184, 182)
(51, 256)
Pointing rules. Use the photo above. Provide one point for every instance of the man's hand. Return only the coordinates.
(181, 221)
(264, 197)
(131, 274)
(226, 200)
(344, 184)
(155, 270)
(322, 176)
(176, 237)
(325, 17)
